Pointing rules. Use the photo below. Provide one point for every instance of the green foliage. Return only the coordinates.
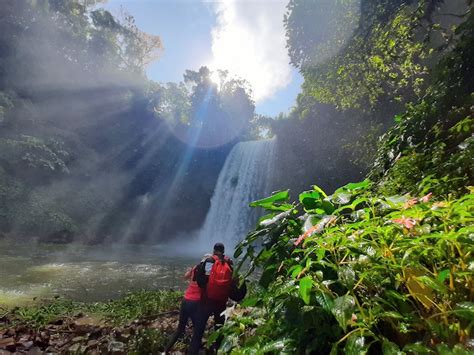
(139, 304)
(386, 62)
(386, 58)
(432, 141)
(373, 268)
(147, 341)
(201, 104)
(134, 48)
(32, 152)
(173, 103)
(135, 305)
(85, 137)
(378, 272)
(37, 316)
(363, 149)
(110, 42)
(317, 30)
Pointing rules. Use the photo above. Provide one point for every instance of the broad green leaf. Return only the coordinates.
(275, 220)
(343, 195)
(228, 343)
(320, 253)
(347, 276)
(274, 207)
(356, 345)
(357, 185)
(353, 205)
(389, 348)
(238, 251)
(213, 337)
(465, 310)
(295, 271)
(342, 310)
(306, 283)
(341, 198)
(267, 216)
(396, 200)
(274, 346)
(276, 197)
(458, 349)
(432, 283)
(250, 302)
(327, 206)
(417, 284)
(325, 300)
(417, 348)
(319, 190)
(310, 199)
(391, 314)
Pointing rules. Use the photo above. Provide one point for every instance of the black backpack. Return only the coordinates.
(238, 289)
(200, 275)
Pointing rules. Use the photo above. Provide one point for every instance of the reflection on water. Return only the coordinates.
(85, 273)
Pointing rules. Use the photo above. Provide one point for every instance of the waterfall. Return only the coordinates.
(243, 179)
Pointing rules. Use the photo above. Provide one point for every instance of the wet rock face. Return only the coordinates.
(59, 237)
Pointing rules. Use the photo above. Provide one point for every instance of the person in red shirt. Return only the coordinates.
(214, 276)
(189, 307)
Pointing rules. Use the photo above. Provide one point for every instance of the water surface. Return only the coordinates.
(31, 270)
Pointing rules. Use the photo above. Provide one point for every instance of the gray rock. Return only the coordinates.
(116, 348)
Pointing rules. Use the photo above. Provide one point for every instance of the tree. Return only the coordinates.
(214, 113)
(172, 103)
(385, 61)
(317, 30)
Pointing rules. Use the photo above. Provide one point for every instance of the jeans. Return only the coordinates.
(205, 310)
(188, 310)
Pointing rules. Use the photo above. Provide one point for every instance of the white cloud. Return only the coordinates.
(249, 41)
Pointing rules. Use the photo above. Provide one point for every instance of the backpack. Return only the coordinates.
(200, 275)
(238, 289)
(220, 280)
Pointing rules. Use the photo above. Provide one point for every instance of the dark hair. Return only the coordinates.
(219, 247)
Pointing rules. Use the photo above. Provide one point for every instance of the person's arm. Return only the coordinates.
(189, 273)
(229, 261)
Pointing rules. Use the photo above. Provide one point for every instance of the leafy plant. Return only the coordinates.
(357, 272)
(148, 341)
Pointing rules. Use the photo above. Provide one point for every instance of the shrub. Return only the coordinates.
(358, 272)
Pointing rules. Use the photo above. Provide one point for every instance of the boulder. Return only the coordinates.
(116, 348)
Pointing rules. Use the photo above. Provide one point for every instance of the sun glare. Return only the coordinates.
(216, 79)
(260, 57)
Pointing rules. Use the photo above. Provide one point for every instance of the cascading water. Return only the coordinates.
(243, 179)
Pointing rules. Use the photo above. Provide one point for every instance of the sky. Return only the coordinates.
(245, 37)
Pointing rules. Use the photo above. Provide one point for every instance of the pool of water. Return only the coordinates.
(30, 270)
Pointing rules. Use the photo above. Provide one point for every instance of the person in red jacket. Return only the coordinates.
(189, 307)
(214, 276)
